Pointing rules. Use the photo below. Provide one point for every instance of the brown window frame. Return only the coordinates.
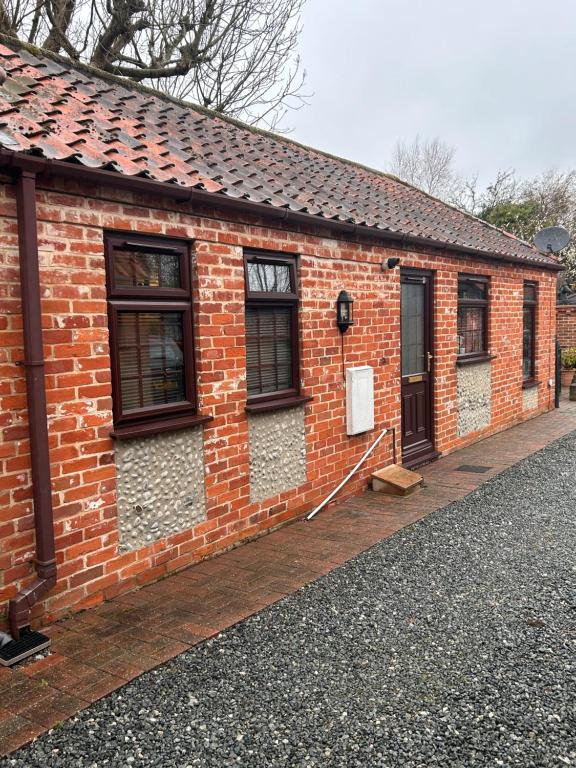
(256, 299)
(532, 305)
(484, 304)
(156, 418)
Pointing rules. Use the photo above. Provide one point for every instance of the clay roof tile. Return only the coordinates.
(78, 115)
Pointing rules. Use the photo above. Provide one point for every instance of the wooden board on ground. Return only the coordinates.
(396, 481)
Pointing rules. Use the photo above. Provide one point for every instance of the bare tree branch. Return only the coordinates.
(519, 207)
(60, 14)
(427, 165)
(35, 21)
(6, 20)
(237, 56)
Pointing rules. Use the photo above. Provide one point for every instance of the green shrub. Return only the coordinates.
(569, 357)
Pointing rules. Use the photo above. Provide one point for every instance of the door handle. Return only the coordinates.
(429, 363)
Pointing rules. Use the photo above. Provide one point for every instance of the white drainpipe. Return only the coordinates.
(348, 476)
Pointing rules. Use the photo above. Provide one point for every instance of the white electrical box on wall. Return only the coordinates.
(359, 399)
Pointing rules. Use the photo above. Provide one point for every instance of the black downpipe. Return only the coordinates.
(558, 371)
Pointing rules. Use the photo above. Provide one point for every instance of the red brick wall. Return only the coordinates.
(566, 325)
(71, 224)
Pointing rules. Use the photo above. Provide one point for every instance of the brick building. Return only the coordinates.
(172, 373)
(566, 320)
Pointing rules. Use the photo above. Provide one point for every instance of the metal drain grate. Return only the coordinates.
(477, 469)
(16, 650)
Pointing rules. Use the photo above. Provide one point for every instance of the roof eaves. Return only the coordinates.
(184, 193)
(319, 216)
(460, 211)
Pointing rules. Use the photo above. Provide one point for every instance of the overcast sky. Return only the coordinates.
(496, 79)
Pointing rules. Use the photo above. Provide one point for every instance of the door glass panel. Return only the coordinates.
(413, 338)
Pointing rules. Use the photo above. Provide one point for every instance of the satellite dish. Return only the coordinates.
(551, 239)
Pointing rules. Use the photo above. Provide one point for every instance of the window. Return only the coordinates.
(529, 333)
(472, 317)
(151, 346)
(272, 365)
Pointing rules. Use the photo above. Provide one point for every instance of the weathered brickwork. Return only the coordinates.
(160, 486)
(566, 322)
(277, 452)
(92, 565)
(530, 399)
(474, 397)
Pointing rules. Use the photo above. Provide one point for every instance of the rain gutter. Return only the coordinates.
(85, 174)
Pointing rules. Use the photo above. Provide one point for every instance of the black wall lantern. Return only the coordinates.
(344, 311)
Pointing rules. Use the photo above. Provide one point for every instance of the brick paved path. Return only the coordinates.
(99, 650)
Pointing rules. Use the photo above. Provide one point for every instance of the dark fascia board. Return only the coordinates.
(76, 171)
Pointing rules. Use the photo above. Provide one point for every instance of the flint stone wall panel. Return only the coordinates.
(160, 486)
(474, 397)
(530, 398)
(277, 452)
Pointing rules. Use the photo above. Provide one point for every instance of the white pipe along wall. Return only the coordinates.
(348, 476)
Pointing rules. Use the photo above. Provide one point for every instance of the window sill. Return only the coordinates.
(276, 405)
(155, 427)
(530, 384)
(477, 359)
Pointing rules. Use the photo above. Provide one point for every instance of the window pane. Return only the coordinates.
(528, 343)
(529, 292)
(413, 350)
(471, 289)
(471, 330)
(151, 358)
(142, 269)
(268, 349)
(269, 278)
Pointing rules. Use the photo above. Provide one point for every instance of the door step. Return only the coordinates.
(396, 481)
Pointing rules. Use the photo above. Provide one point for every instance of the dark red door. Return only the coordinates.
(416, 340)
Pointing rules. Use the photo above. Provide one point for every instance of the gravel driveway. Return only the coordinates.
(451, 644)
